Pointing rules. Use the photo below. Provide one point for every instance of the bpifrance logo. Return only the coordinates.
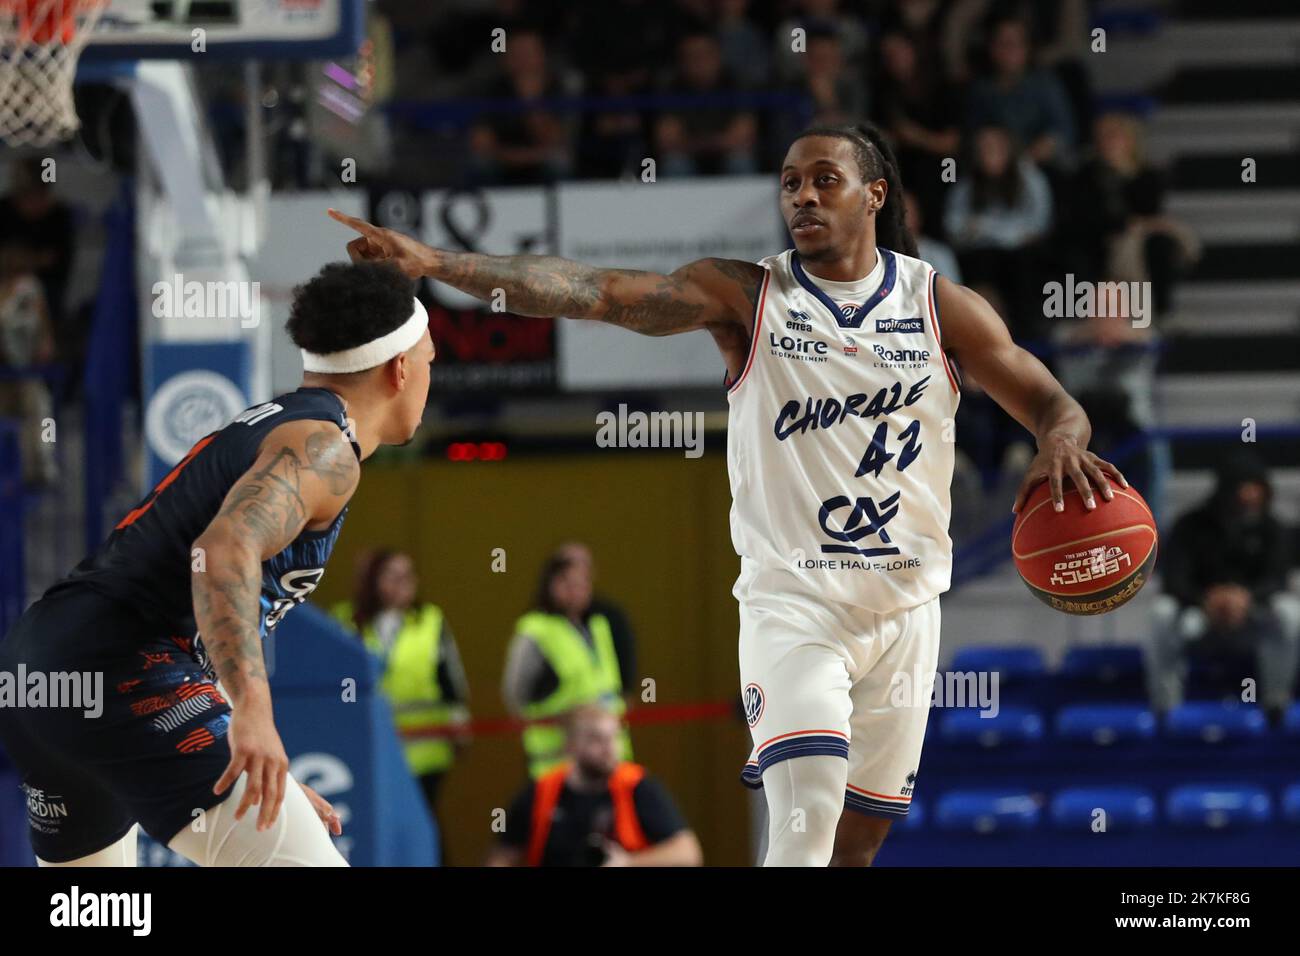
(910, 326)
(753, 700)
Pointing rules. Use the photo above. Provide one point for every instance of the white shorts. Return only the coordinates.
(828, 678)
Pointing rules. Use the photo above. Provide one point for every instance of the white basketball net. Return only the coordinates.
(40, 41)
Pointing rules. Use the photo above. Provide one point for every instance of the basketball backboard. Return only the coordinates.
(234, 29)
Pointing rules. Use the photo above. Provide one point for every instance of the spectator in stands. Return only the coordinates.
(1030, 102)
(564, 652)
(1107, 360)
(618, 44)
(837, 98)
(37, 230)
(448, 25)
(1116, 219)
(1224, 571)
(26, 340)
(705, 139)
(996, 216)
(820, 15)
(532, 145)
(595, 809)
(620, 628)
(921, 23)
(934, 251)
(613, 143)
(1059, 33)
(922, 115)
(745, 51)
(422, 676)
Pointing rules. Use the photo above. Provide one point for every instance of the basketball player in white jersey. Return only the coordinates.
(843, 386)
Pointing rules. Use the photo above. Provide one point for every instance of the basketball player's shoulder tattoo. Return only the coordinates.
(748, 276)
(661, 310)
(266, 509)
(671, 307)
(330, 455)
(268, 504)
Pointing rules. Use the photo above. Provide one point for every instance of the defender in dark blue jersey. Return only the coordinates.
(173, 607)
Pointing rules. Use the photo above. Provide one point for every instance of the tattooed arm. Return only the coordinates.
(714, 294)
(304, 475)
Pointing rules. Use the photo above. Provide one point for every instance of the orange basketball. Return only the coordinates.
(1080, 561)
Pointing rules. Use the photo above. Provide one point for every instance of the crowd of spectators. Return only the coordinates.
(1015, 176)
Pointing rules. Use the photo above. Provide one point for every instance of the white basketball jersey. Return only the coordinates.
(840, 438)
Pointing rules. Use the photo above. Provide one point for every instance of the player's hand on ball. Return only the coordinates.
(615, 855)
(377, 244)
(255, 749)
(1061, 458)
(333, 822)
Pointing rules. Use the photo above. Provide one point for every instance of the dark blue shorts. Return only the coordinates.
(146, 748)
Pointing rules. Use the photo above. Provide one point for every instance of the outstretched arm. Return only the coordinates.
(1023, 386)
(303, 476)
(714, 294)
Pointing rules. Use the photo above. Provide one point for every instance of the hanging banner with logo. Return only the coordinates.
(659, 227)
(480, 346)
(194, 388)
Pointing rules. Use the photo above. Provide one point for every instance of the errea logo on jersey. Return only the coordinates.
(900, 325)
(798, 321)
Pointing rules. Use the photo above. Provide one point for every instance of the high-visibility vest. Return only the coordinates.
(410, 682)
(587, 673)
(622, 783)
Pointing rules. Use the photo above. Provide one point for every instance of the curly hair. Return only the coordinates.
(348, 304)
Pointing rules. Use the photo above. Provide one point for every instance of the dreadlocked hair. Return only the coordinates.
(876, 160)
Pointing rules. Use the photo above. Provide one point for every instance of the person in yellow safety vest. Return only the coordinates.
(595, 809)
(564, 653)
(422, 676)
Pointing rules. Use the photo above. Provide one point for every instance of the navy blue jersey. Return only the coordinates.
(146, 562)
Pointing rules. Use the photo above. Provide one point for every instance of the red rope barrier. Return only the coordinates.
(644, 715)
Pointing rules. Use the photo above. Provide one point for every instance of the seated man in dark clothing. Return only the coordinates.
(595, 810)
(709, 137)
(1224, 569)
(531, 144)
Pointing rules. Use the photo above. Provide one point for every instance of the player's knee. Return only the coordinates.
(858, 839)
(297, 838)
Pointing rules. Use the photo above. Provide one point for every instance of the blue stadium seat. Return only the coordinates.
(988, 811)
(1125, 807)
(1291, 720)
(1290, 808)
(1105, 724)
(1218, 806)
(1218, 676)
(915, 819)
(1010, 726)
(1012, 663)
(1215, 722)
(1105, 672)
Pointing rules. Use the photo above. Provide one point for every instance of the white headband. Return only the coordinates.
(372, 353)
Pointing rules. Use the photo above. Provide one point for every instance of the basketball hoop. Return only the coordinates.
(40, 41)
